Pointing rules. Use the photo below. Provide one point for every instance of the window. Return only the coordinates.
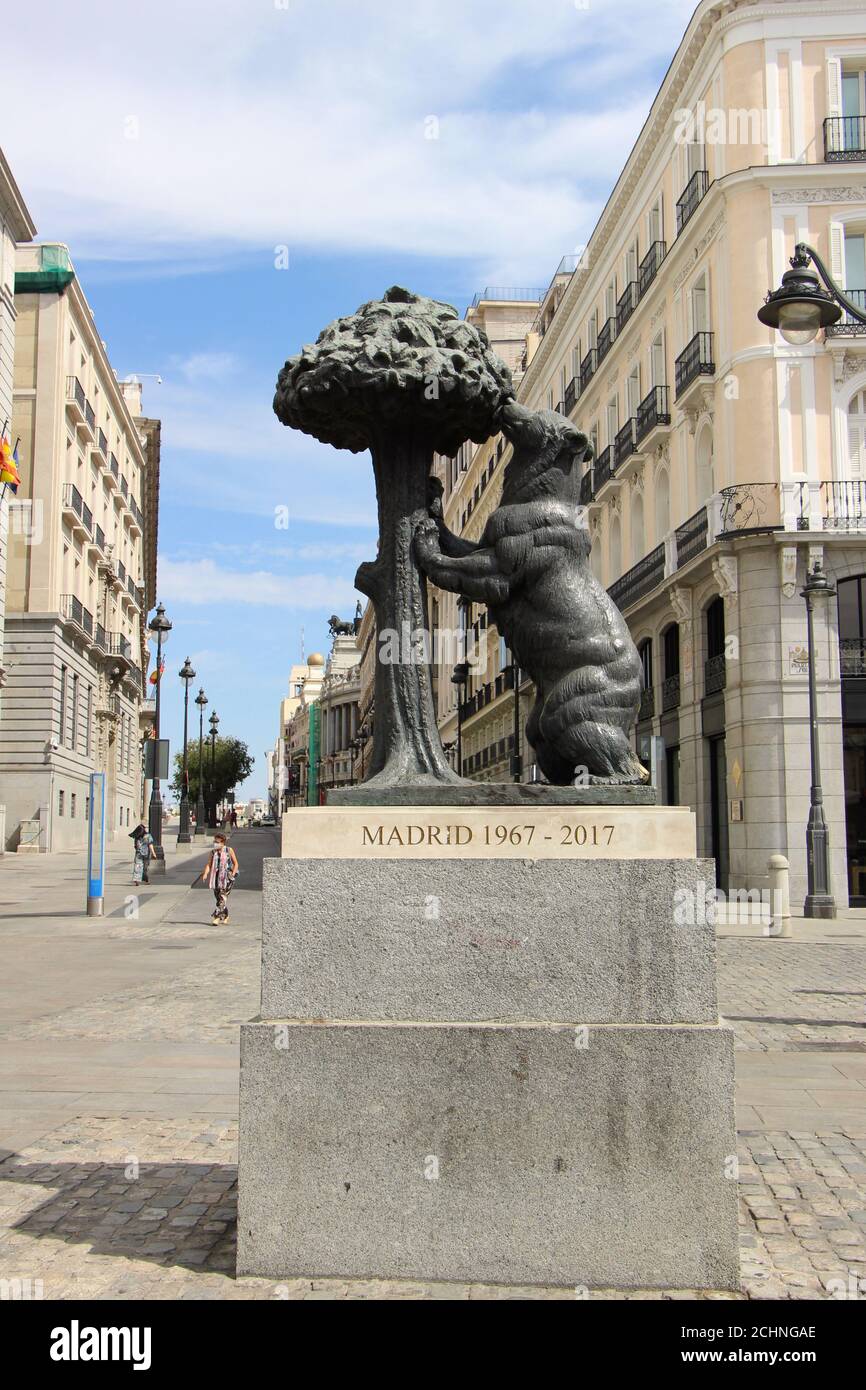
(631, 262)
(657, 360)
(699, 306)
(612, 419)
(88, 715)
(610, 300)
(655, 222)
(638, 542)
(663, 505)
(74, 743)
(633, 393)
(576, 359)
(62, 738)
(615, 549)
(87, 808)
(592, 330)
(716, 628)
(855, 262)
(645, 652)
(72, 806)
(671, 651)
(60, 802)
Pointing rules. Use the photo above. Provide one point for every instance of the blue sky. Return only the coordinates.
(212, 139)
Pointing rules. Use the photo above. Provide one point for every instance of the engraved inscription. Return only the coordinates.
(575, 836)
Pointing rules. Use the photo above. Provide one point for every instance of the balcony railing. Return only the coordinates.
(87, 517)
(606, 337)
(100, 638)
(119, 645)
(586, 488)
(750, 507)
(715, 674)
(692, 537)
(603, 469)
(73, 500)
(102, 443)
(72, 609)
(643, 577)
(625, 443)
(671, 693)
(588, 368)
(75, 395)
(626, 305)
(848, 326)
(647, 706)
(844, 138)
(114, 466)
(569, 398)
(100, 537)
(124, 486)
(691, 197)
(653, 410)
(649, 266)
(843, 506)
(852, 656)
(90, 415)
(696, 359)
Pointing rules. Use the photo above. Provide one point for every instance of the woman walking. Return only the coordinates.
(142, 841)
(220, 872)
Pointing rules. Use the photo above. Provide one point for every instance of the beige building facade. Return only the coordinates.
(81, 571)
(727, 461)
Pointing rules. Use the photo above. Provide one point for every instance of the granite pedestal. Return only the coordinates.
(489, 1055)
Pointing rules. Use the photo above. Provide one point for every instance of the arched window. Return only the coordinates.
(663, 505)
(615, 549)
(852, 626)
(638, 538)
(671, 667)
(704, 466)
(714, 666)
(647, 702)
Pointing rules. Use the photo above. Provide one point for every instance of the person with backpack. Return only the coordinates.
(220, 871)
(142, 841)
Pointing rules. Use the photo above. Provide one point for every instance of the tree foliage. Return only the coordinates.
(403, 360)
(233, 766)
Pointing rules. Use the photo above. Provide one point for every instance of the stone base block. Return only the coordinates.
(518, 1153)
(575, 941)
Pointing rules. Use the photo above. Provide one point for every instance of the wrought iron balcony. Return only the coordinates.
(603, 468)
(691, 197)
(570, 396)
(647, 704)
(121, 571)
(625, 443)
(588, 368)
(653, 410)
(72, 499)
(102, 443)
(750, 507)
(696, 359)
(715, 674)
(848, 326)
(100, 637)
(626, 305)
(641, 579)
(844, 138)
(649, 266)
(100, 537)
(87, 517)
(671, 693)
(124, 486)
(606, 337)
(90, 415)
(75, 399)
(586, 488)
(692, 537)
(114, 466)
(119, 645)
(72, 609)
(852, 656)
(843, 506)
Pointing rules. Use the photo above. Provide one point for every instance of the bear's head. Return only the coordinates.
(545, 449)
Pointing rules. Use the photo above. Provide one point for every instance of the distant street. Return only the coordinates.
(118, 1089)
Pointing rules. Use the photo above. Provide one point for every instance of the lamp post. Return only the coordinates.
(459, 677)
(819, 899)
(159, 624)
(187, 674)
(800, 307)
(200, 808)
(214, 725)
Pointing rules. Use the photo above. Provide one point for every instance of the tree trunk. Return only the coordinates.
(406, 743)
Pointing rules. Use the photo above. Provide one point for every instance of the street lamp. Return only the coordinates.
(800, 307)
(159, 624)
(200, 808)
(516, 756)
(214, 725)
(186, 674)
(459, 677)
(819, 899)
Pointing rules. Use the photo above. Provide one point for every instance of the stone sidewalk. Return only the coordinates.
(118, 1086)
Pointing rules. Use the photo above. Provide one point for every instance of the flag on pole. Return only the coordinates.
(9, 464)
(157, 672)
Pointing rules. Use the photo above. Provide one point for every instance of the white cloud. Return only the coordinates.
(204, 582)
(218, 125)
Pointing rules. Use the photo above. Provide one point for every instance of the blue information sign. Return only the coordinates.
(96, 846)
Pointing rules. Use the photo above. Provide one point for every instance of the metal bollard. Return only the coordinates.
(780, 896)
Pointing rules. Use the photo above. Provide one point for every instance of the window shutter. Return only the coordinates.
(856, 459)
(837, 252)
(834, 86)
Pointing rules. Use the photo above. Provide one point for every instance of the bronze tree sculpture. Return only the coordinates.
(404, 377)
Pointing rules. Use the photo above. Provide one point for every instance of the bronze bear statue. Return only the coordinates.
(531, 569)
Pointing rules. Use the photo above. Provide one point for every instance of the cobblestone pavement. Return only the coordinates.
(122, 1037)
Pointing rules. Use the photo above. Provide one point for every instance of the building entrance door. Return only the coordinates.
(854, 761)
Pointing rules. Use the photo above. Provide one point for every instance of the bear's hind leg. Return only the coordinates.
(604, 750)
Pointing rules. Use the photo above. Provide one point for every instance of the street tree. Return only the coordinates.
(404, 377)
(233, 766)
